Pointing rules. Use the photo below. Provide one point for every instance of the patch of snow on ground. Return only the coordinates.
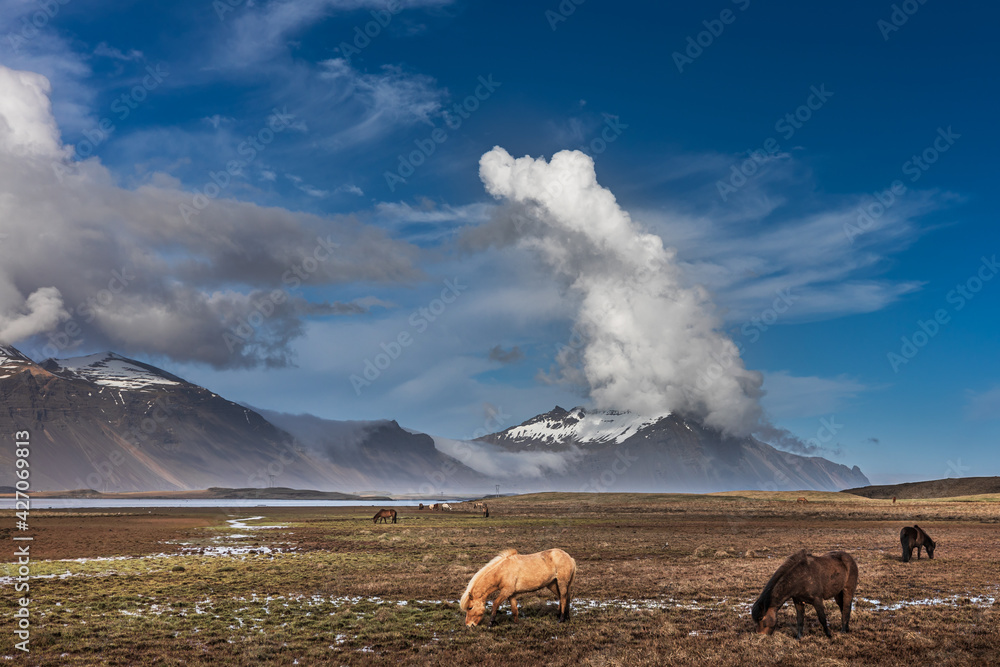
(239, 523)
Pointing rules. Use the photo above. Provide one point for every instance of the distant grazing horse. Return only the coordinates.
(801, 500)
(421, 506)
(806, 578)
(510, 574)
(446, 506)
(385, 515)
(915, 537)
(894, 500)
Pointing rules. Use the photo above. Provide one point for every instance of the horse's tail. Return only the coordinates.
(851, 570)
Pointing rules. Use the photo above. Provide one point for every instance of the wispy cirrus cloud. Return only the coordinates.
(780, 236)
(259, 34)
(793, 397)
(983, 405)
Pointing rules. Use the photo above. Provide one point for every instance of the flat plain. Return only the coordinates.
(661, 579)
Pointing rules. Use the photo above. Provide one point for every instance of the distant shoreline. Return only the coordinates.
(219, 493)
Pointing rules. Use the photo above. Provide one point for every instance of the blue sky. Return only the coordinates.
(825, 107)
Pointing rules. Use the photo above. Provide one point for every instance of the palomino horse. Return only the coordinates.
(915, 537)
(510, 574)
(385, 515)
(806, 578)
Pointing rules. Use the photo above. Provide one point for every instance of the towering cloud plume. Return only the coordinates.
(642, 340)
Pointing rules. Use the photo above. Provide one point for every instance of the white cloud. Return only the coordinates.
(306, 188)
(41, 311)
(983, 405)
(648, 343)
(494, 462)
(749, 256)
(141, 277)
(27, 126)
(793, 397)
(382, 101)
(265, 32)
(350, 188)
(43, 51)
(107, 51)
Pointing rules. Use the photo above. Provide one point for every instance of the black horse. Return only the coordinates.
(915, 537)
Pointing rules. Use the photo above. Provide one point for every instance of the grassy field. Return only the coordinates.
(661, 579)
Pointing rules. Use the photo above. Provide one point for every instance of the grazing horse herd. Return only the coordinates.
(802, 578)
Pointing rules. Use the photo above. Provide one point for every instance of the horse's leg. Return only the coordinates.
(564, 600)
(501, 597)
(800, 617)
(919, 549)
(821, 612)
(845, 599)
(554, 587)
(513, 608)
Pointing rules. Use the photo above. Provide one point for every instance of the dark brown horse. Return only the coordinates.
(915, 537)
(806, 578)
(385, 515)
(486, 511)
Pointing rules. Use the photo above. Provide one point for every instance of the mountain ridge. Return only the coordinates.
(671, 452)
(116, 424)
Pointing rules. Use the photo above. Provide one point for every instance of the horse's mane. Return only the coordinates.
(763, 603)
(506, 553)
(921, 531)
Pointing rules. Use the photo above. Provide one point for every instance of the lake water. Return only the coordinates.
(79, 503)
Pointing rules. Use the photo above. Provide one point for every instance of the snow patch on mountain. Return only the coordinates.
(12, 362)
(580, 426)
(112, 370)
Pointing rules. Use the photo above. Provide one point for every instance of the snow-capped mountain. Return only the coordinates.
(623, 451)
(13, 362)
(115, 424)
(577, 426)
(108, 369)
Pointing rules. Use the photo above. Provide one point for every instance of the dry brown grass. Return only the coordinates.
(661, 579)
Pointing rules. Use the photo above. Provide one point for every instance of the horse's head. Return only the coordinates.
(766, 623)
(474, 614)
(929, 545)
